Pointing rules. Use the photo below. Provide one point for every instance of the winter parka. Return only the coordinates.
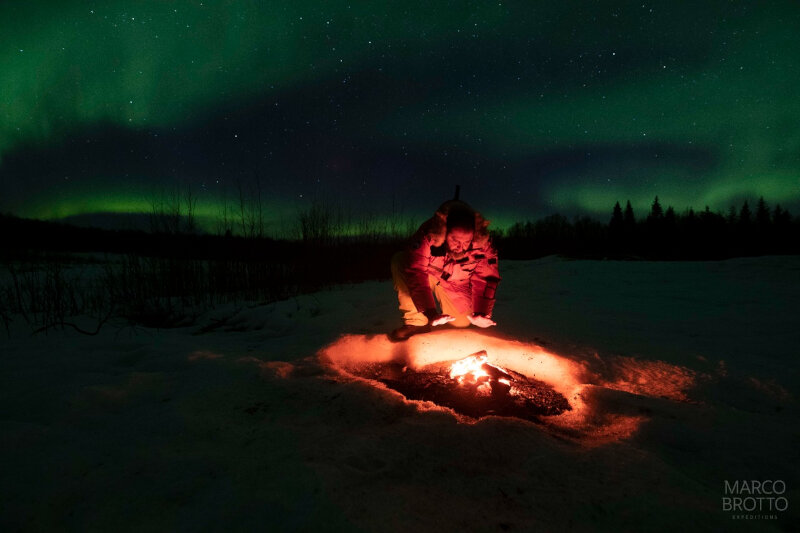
(470, 281)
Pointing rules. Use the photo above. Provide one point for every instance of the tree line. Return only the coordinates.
(661, 234)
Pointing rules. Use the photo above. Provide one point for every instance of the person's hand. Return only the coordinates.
(481, 321)
(441, 319)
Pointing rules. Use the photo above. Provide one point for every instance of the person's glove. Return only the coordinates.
(481, 321)
(442, 319)
(435, 319)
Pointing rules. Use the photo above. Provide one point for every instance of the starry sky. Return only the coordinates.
(532, 107)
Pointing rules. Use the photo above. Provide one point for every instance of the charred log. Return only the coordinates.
(519, 396)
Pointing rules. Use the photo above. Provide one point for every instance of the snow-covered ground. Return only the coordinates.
(681, 375)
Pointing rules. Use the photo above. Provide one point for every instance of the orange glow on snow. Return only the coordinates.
(589, 421)
(651, 378)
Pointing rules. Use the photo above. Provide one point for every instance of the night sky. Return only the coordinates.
(533, 107)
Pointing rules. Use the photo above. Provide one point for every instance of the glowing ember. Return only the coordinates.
(475, 371)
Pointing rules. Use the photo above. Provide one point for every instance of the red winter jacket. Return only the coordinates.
(470, 281)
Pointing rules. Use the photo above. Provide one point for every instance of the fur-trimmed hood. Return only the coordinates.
(437, 225)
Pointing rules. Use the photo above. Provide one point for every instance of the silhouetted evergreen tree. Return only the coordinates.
(743, 235)
(764, 239)
(669, 234)
(731, 219)
(784, 236)
(669, 216)
(628, 217)
(656, 212)
(777, 213)
(781, 217)
(744, 214)
(616, 218)
(616, 230)
(688, 227)
(627, 241)
(762, 213)
(654, 230)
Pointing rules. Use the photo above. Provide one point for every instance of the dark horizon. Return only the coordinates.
(149, 222)
(661, 234)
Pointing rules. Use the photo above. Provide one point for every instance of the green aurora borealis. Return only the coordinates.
(533, 107)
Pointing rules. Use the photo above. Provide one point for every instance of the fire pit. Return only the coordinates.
(502, 377)
(472, 387)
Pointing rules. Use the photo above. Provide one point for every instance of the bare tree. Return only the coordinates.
(190, 202)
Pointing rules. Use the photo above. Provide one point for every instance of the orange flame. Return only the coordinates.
(476, 370)
(469, 369)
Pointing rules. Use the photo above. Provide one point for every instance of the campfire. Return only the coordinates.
(472, 375)
(472, 386)
(474, 372)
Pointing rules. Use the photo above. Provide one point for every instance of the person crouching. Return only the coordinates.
(448, 274)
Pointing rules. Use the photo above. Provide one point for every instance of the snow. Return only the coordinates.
(682, 375)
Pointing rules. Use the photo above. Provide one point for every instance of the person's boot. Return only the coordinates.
(404, 332)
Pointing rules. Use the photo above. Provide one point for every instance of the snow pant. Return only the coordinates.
(454, 299)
